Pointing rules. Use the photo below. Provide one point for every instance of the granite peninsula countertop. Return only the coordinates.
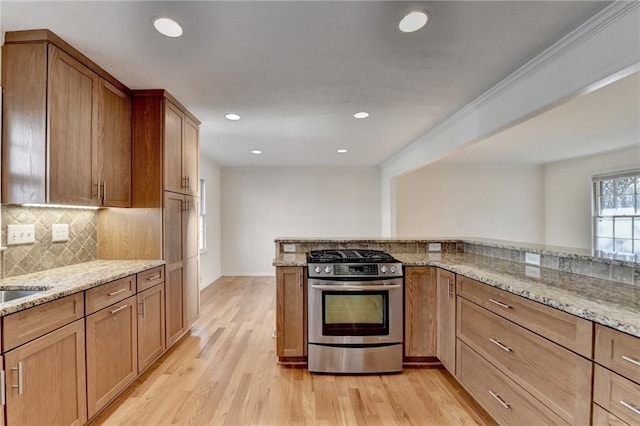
(66, 280)
(610, 303)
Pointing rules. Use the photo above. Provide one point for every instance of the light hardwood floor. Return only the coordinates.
(226, 373)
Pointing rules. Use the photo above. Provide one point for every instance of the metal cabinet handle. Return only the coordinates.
(636, 410)
(19, 385)
(119, 309)
(188, 182)
(500, 345)
(450, 289)
(499, 303)
(118, 291)
(155, 277)
(500, 400)
(143, 308)
(3, 392)
(104, 191)
(631, 360)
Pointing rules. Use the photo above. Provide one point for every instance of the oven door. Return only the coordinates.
(352, 313)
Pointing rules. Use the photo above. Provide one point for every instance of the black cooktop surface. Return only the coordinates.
(349, 256)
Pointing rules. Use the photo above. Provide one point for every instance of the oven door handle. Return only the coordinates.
(356, 287)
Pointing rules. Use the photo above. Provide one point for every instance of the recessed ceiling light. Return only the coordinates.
(342, 151)
(361, 114)
(256, 151)
(413, 21)
(168, 27)
(232, 117)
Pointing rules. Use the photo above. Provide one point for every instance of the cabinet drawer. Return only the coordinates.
(110, 293)
(617, 395)
(507, 402)
(602, 417)
(32, 323)
(618, 351)
(149, 278)
(557, 377)
(565, 329)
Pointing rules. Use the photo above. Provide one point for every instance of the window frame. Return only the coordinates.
(202, 218)
(616, 217)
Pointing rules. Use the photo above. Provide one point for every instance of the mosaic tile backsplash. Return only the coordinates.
(44, 253)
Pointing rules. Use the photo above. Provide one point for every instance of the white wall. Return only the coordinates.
(211, 260)
(568, 195)
(260, 204)
(471, 201)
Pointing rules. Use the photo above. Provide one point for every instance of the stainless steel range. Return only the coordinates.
(355, 312)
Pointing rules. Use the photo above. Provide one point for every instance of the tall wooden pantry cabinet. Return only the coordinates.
(163, 220)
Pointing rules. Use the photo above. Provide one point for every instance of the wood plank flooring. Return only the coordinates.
(226, 373)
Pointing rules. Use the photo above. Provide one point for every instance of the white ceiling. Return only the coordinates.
(297, 71)
(607, 119)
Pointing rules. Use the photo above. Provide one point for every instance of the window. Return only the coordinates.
(202, 223)
(617, 213)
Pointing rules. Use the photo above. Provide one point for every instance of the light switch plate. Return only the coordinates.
(59, 232)
(532, 258)
(289, 248)
(21, 234)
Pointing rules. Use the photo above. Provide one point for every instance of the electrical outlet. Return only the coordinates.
(59, 232)
(21, 234)
(289, 248)
(434, 247)
(532, 258)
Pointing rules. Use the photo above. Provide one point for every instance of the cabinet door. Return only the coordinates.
(190, 157)
(112, 357)
(72, 121)
(174, 216)
(114, 137)
(151, 331)
(49, 378)
(420, 312)
(192, 261)
(446, 329)
(291, 312)
(173, 128)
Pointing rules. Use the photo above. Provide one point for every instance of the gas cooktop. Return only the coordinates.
(349, 256)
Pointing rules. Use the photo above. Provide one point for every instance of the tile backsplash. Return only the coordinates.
(82, 245)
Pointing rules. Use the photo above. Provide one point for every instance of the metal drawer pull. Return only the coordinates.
(631, 360)
(3, 392)
(497, 398)
(499, 344)
(19, 370)
(155, 277)
(449, 289)
(118, 291)
(631, 407)
(119, 309)
(499, 303)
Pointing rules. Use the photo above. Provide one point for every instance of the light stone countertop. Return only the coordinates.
(60, 282)
(610, 303)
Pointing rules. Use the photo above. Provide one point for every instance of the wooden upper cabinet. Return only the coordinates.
(114, 161)
(165, 148)
(72, 120)
(66, 126)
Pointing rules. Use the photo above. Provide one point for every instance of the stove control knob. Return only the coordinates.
(393, 269)
(327, 269)
(317, 269)
(384, 269)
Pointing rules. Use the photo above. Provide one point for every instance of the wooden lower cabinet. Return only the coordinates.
(151, 330)
(291, 312)
(52, 388)
(617, 395)
(503, 399)
(446, 322)
(420, 312)
(174, 305)
(555, 376)
(112, 352)
(602, 417)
